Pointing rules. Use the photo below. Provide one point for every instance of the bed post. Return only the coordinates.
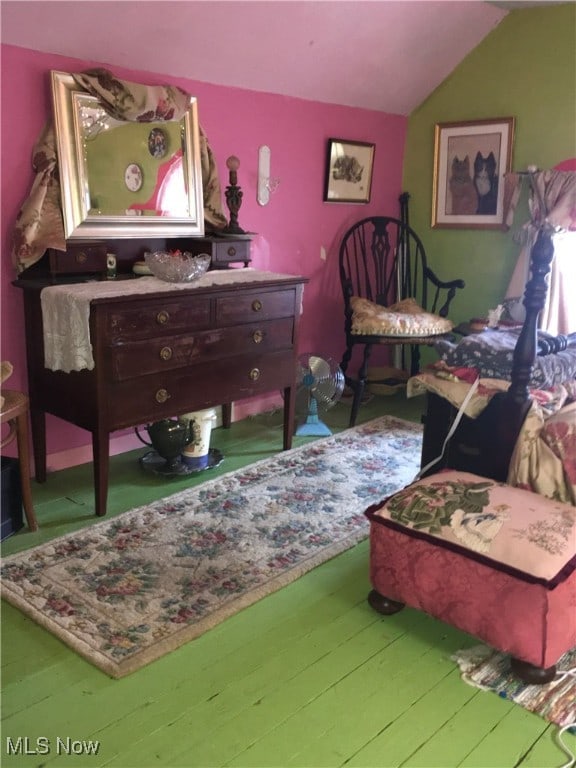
(505, 414)
(534, 300)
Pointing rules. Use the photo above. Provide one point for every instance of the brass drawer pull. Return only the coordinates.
(81, 257)
(254, 374)
(256, 305)
(162, 317)
(257, 337)
(231, 251)
(166, 353)
(162, 395)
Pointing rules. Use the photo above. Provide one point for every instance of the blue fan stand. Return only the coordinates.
(313, 426)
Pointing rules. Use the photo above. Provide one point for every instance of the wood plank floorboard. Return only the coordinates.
(309, 677)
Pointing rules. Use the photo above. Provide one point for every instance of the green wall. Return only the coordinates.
(526, 69)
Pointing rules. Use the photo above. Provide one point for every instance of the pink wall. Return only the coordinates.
(294, 229)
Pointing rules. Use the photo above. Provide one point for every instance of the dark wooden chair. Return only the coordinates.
(383, 260)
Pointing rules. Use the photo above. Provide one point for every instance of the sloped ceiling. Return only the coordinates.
(386, 56)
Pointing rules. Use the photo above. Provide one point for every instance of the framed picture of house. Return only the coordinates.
(470, 161)
(348, 171)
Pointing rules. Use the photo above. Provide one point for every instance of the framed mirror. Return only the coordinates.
(121, 179)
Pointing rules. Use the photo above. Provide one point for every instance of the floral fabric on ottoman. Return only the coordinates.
(495, 561)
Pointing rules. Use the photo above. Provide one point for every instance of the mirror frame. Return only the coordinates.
(74, 182)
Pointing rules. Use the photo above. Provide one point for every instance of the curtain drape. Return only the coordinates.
(39, 224)
(552, 205)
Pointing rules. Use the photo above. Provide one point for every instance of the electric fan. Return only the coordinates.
(322, 381)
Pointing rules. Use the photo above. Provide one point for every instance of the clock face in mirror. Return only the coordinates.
(121, 178)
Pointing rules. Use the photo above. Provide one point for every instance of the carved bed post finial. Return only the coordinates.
(541, 257)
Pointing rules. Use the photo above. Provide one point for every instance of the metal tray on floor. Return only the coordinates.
(154, 463)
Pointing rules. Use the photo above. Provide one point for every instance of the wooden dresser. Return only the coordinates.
(161, 354)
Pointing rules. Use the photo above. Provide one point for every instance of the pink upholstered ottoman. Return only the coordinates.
(495, 561)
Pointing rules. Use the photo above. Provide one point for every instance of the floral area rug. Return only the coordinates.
(488, 669)
(126, 591)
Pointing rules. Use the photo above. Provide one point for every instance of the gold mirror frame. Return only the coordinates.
(80, 219)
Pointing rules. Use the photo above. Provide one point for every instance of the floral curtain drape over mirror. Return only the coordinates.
(39, 224)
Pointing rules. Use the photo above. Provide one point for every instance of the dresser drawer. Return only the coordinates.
(256, 305)
(167, 353)
(158, 317)
(160, 395)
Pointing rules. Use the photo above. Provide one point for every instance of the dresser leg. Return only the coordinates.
(38, 424)
(226, 415)
(289, 415)
(101, 458)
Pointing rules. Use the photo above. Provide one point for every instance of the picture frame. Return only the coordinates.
(470, 161)
(349, 167)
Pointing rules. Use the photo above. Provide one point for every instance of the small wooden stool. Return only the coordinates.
(15, 412)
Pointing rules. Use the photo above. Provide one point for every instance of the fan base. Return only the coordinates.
(313, 428)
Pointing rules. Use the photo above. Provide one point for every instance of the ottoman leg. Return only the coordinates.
(383, 604)
(531, 674)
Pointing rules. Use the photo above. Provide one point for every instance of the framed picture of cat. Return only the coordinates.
(470, 161)
(348, 171)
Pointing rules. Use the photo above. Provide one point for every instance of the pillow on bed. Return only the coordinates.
(405, 318)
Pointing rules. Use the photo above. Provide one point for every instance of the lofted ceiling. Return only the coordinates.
(386, 56)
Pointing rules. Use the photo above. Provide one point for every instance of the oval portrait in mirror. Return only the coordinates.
(157, 143)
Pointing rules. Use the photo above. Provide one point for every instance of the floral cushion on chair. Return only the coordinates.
(405, 318)
(516, 530)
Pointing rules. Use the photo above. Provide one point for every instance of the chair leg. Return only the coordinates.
(360, 384)
(346, 358)
(415, 360)
(24, 460)
(358, 388)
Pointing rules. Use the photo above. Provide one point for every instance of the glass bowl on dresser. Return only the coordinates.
(177, 266)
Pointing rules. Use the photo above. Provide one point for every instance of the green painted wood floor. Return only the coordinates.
(307, 677)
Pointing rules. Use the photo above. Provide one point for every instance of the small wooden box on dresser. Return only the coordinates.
(223, 250)
(160, 354)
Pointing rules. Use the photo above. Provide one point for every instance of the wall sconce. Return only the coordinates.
(266, 184)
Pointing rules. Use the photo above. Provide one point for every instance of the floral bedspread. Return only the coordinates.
(490, 353)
